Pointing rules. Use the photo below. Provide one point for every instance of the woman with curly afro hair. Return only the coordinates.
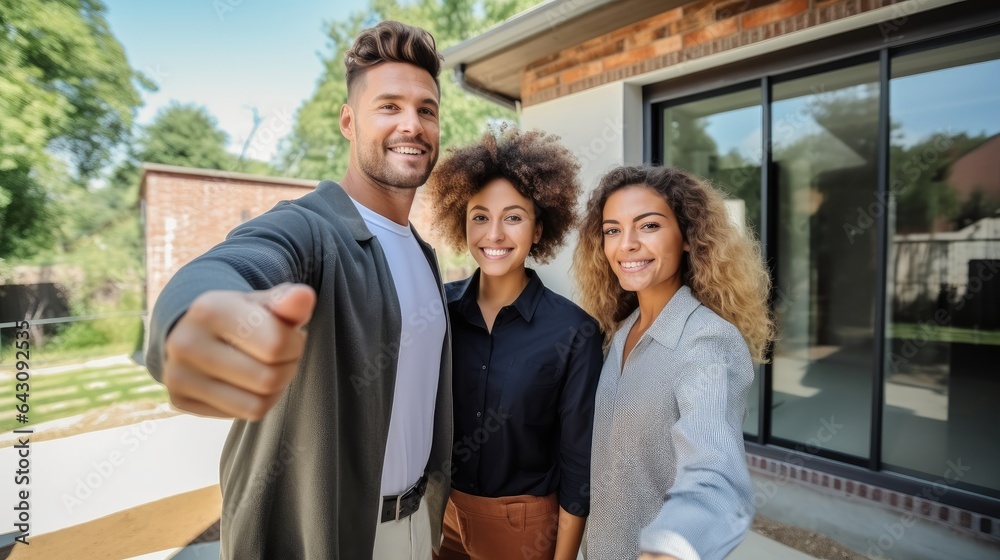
(681, 290)
(526, 360)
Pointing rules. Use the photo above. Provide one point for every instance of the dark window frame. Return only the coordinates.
(925, 31)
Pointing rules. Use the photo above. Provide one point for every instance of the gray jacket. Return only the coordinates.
(668, 472)
(304, 482)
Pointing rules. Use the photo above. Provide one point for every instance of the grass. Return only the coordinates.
(944, 334)
(60, 395)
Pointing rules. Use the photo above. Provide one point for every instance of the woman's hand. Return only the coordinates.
(649, 556)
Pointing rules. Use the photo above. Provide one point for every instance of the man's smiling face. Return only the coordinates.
(395, 125)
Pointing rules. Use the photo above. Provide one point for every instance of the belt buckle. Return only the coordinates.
(399, 501)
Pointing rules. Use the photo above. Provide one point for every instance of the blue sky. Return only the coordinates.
(229, 55)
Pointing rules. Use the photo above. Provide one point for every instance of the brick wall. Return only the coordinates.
(187, 214)
(924, 505)
(686, 33)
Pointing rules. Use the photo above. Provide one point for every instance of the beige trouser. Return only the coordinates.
(406, 539)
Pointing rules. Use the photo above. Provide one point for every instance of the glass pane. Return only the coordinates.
(943, 331)
(824, 134)
(720, 139)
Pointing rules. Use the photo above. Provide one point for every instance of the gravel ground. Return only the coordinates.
(804, 540)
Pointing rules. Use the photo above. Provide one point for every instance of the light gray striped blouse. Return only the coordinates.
(668, 472)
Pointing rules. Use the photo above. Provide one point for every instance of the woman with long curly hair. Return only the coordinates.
(682, 292)
(526, 360)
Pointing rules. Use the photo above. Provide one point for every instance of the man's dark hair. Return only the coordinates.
(391, 41)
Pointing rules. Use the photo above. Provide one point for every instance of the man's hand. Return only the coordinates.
(233, 353)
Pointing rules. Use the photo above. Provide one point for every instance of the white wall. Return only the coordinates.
(603, 128)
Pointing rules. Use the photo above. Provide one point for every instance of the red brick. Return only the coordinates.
(629, 57)
(770, 14)
(542, 61)
(554, 67)
(711, 32)
(666, 18)
(204, 210)
(581, 72)
(667, 45)
(733, 9)
(530, 87)
(696, 16)
(598, 50)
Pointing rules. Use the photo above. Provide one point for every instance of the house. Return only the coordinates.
(187, 211)
(852, 134)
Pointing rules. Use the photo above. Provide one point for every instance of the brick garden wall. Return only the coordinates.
(188, 214)
(686, 33)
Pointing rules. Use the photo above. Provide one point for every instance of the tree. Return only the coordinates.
(315, 149)
(186, 135)
(67, 99)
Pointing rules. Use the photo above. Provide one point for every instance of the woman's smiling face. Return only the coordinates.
(501, 228)
(642, 240)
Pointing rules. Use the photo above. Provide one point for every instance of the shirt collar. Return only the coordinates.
(343, 206)
(669, 324)
(526, 303)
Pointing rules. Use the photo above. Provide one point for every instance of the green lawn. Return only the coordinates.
(944, 334)
(59, 395)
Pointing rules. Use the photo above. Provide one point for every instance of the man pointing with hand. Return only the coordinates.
(320, 327)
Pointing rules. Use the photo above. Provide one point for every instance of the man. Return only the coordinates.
(338, 434)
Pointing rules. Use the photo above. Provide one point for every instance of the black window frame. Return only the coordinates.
(930, 30)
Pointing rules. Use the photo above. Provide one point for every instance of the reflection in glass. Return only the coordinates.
(943, 333)
(825, 153)
(720, 139)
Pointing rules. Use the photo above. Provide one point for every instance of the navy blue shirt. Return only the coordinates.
(524, 395)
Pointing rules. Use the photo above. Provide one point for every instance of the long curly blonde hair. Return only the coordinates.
(723, 268)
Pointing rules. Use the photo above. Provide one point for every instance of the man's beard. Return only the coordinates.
(375, 164)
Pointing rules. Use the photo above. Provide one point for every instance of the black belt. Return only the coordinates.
(403, 505)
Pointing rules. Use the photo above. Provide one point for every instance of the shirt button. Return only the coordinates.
(484, 368)
(479, 415)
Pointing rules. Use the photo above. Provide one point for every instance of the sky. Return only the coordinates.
(229, 56)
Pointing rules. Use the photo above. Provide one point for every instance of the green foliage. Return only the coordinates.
(66, 95)
(917, 175)
(186, 135)
(316, 149)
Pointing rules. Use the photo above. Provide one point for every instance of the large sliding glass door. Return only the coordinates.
(885, 249)
(824, 140)
(719, 138)
(942, 360)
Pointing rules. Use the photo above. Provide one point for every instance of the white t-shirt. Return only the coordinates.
(411, 426)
